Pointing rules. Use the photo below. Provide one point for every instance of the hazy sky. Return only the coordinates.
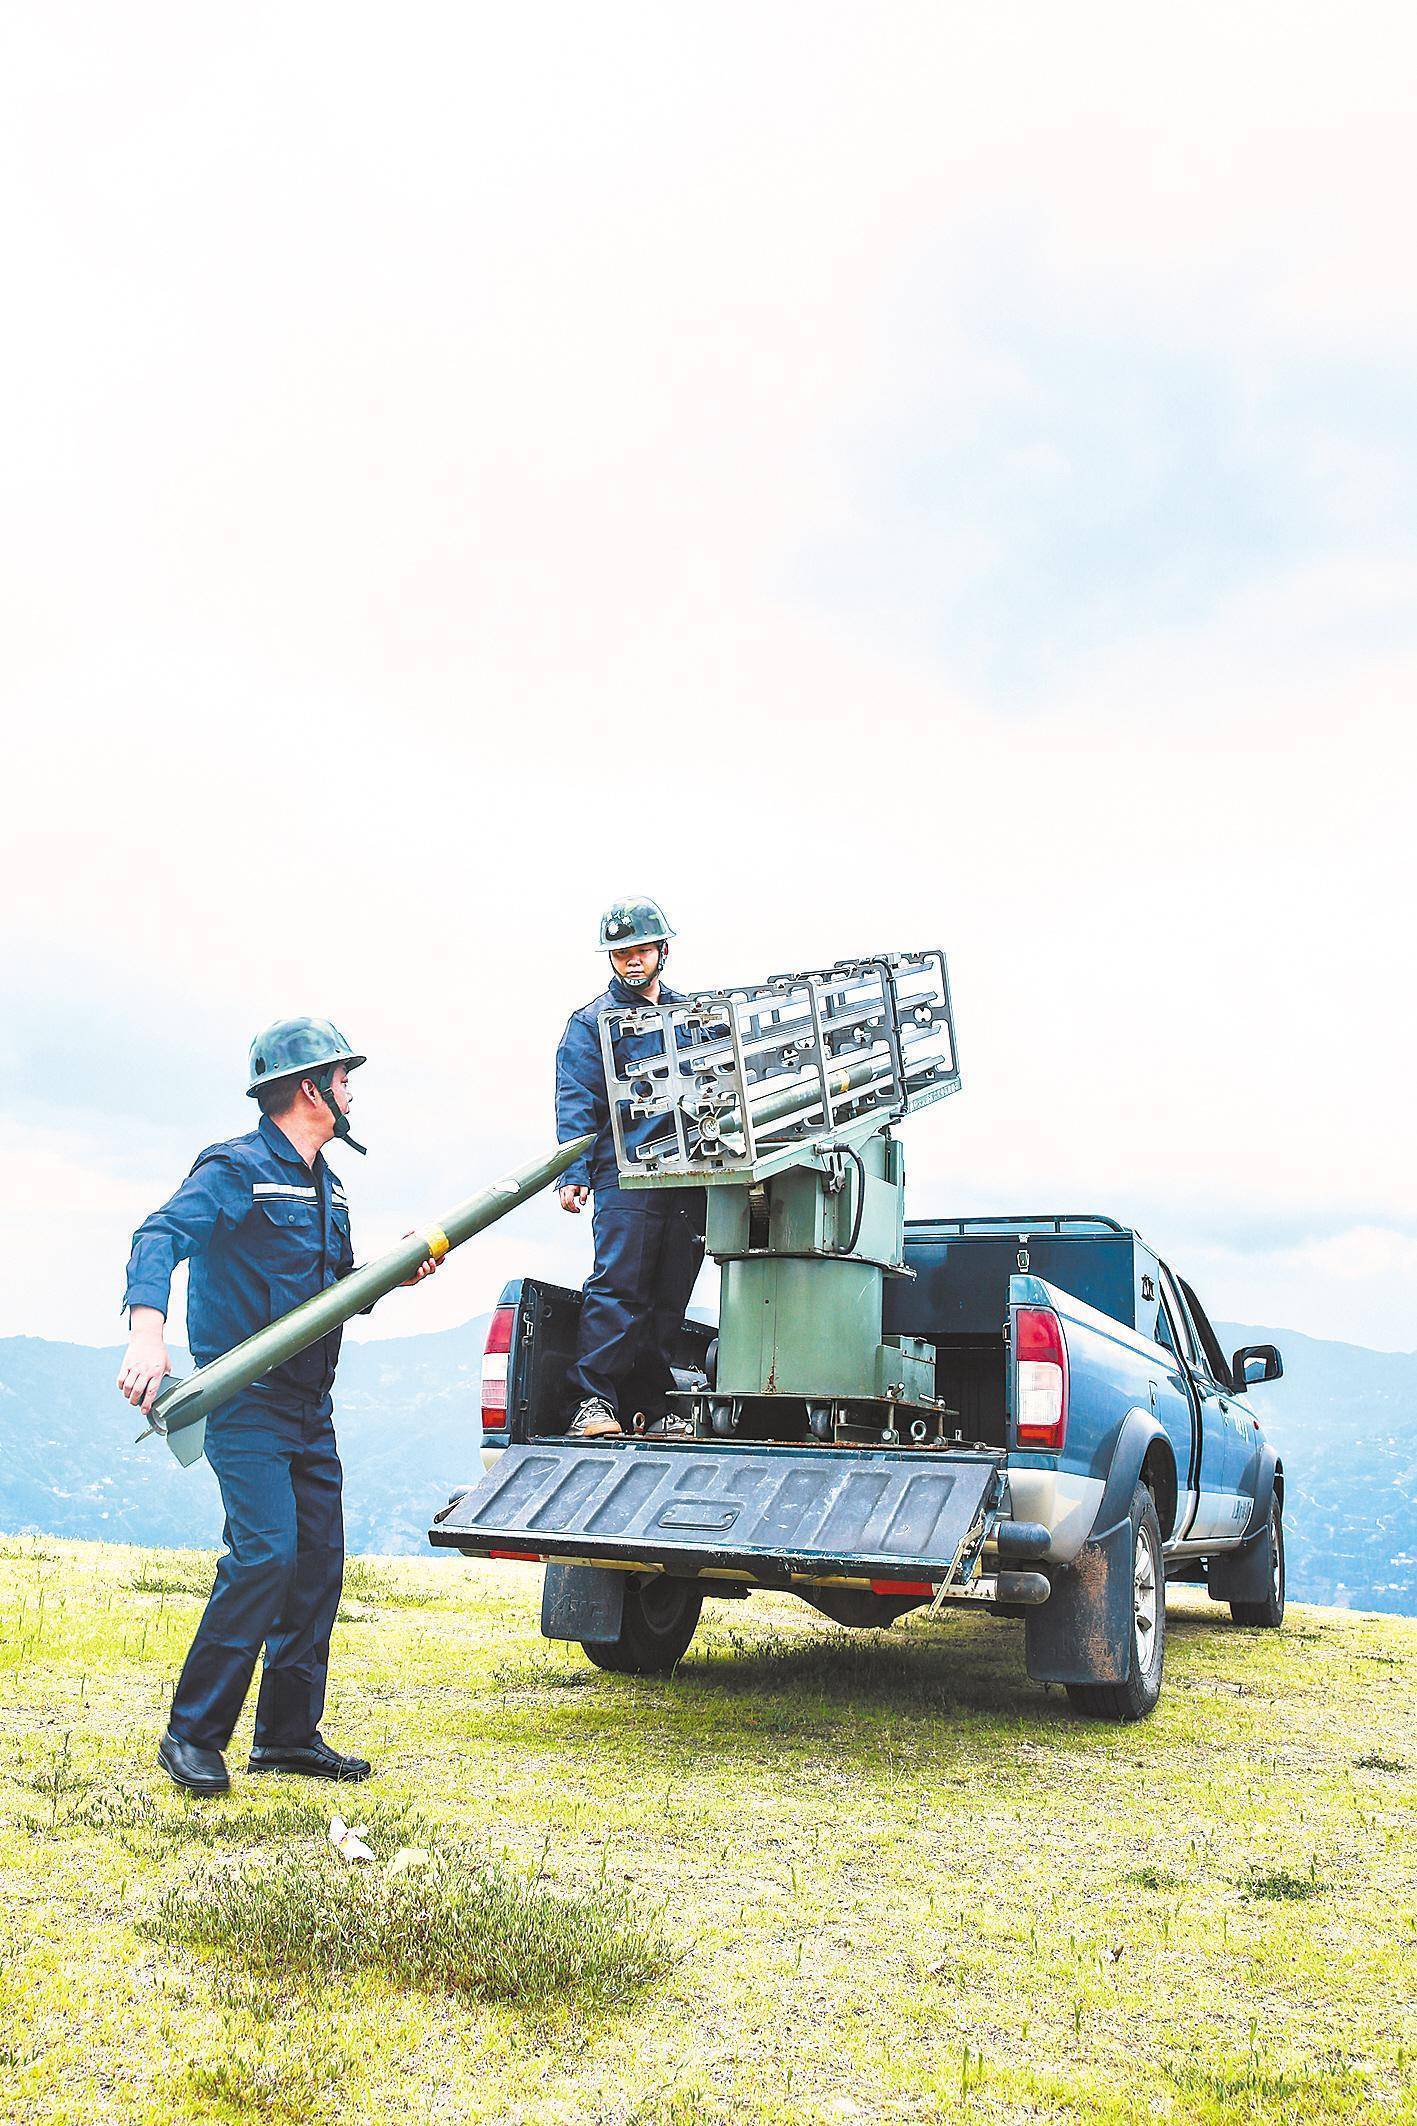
(868, 476)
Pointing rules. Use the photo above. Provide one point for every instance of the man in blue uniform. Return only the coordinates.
(265, 1223)
(649, 1243)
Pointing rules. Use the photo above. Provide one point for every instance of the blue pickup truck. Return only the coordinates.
(1097, 1443)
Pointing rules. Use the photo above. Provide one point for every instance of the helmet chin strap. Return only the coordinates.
(325, 1082)
(645, 979)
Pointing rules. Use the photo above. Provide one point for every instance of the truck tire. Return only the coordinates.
(1268, 1615)
(660, 1618)
(1135, 1698)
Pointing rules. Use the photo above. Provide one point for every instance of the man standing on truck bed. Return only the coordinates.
(649, 1243)
(266, 1224)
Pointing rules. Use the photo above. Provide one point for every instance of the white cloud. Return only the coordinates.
(58, 1209)
(1364, 1253)
(429, 438)
(1357, 1284)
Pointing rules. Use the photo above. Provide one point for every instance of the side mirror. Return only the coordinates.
(1254, 1364)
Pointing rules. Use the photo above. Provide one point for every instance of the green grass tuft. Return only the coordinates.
(693, 2103)
(452, 1924)
(189, 1576)
(1282, 1885)
(115, 1809)
(1153, 1878)
(364, 1581)
(263, 2077)
(1251, 2086)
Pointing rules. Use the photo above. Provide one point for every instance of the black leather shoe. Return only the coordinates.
(199, 1771)
(315, 1760)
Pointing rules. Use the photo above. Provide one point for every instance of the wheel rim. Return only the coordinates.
(1276, 1562)
(1145, 1599)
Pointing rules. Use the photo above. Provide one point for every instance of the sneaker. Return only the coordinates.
(674, 1425)
(594, 1420)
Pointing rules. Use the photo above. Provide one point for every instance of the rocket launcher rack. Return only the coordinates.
(780, 1097)
(753, 1080)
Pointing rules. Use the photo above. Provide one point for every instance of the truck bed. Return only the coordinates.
(958, 1296)
(543, 1346)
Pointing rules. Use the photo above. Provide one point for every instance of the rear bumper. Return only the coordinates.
(1066, 1505)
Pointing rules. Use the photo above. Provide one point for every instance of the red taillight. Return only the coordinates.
(1041, 1369)
(494, 1369)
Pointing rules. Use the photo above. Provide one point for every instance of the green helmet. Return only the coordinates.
(304, 1048)
(298, 1047)
(633, 923)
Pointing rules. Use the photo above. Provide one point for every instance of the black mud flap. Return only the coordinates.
(583, 1602)
(767, 1513)
(1242, 1575)
(1083, 1633)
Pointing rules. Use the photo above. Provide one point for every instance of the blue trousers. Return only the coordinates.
(278, 1580)
(649, 1248)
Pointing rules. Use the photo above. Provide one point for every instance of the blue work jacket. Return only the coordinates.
(582, 1101)
(263, 1231)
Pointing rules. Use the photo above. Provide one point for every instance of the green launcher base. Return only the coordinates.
(804, 1257)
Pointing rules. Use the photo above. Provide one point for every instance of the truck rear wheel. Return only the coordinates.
(1137, 1696)
(661, 1616)
(1268, 1614)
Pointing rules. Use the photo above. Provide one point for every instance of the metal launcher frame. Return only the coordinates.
(779, 1099)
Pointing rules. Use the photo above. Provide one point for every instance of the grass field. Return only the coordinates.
(816, 1877)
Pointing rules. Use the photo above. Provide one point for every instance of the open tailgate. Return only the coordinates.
(770, 1513)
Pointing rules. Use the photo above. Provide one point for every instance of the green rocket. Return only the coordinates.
(182, 1408)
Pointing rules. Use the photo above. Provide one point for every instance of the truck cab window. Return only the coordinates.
(1151, 1319)
(1213, 1356)
(1173, 1311)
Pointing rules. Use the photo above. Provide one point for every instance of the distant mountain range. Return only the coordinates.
(1345, 1421)
(407, 1414)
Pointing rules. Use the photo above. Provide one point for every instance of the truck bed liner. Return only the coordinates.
(898, 1512)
